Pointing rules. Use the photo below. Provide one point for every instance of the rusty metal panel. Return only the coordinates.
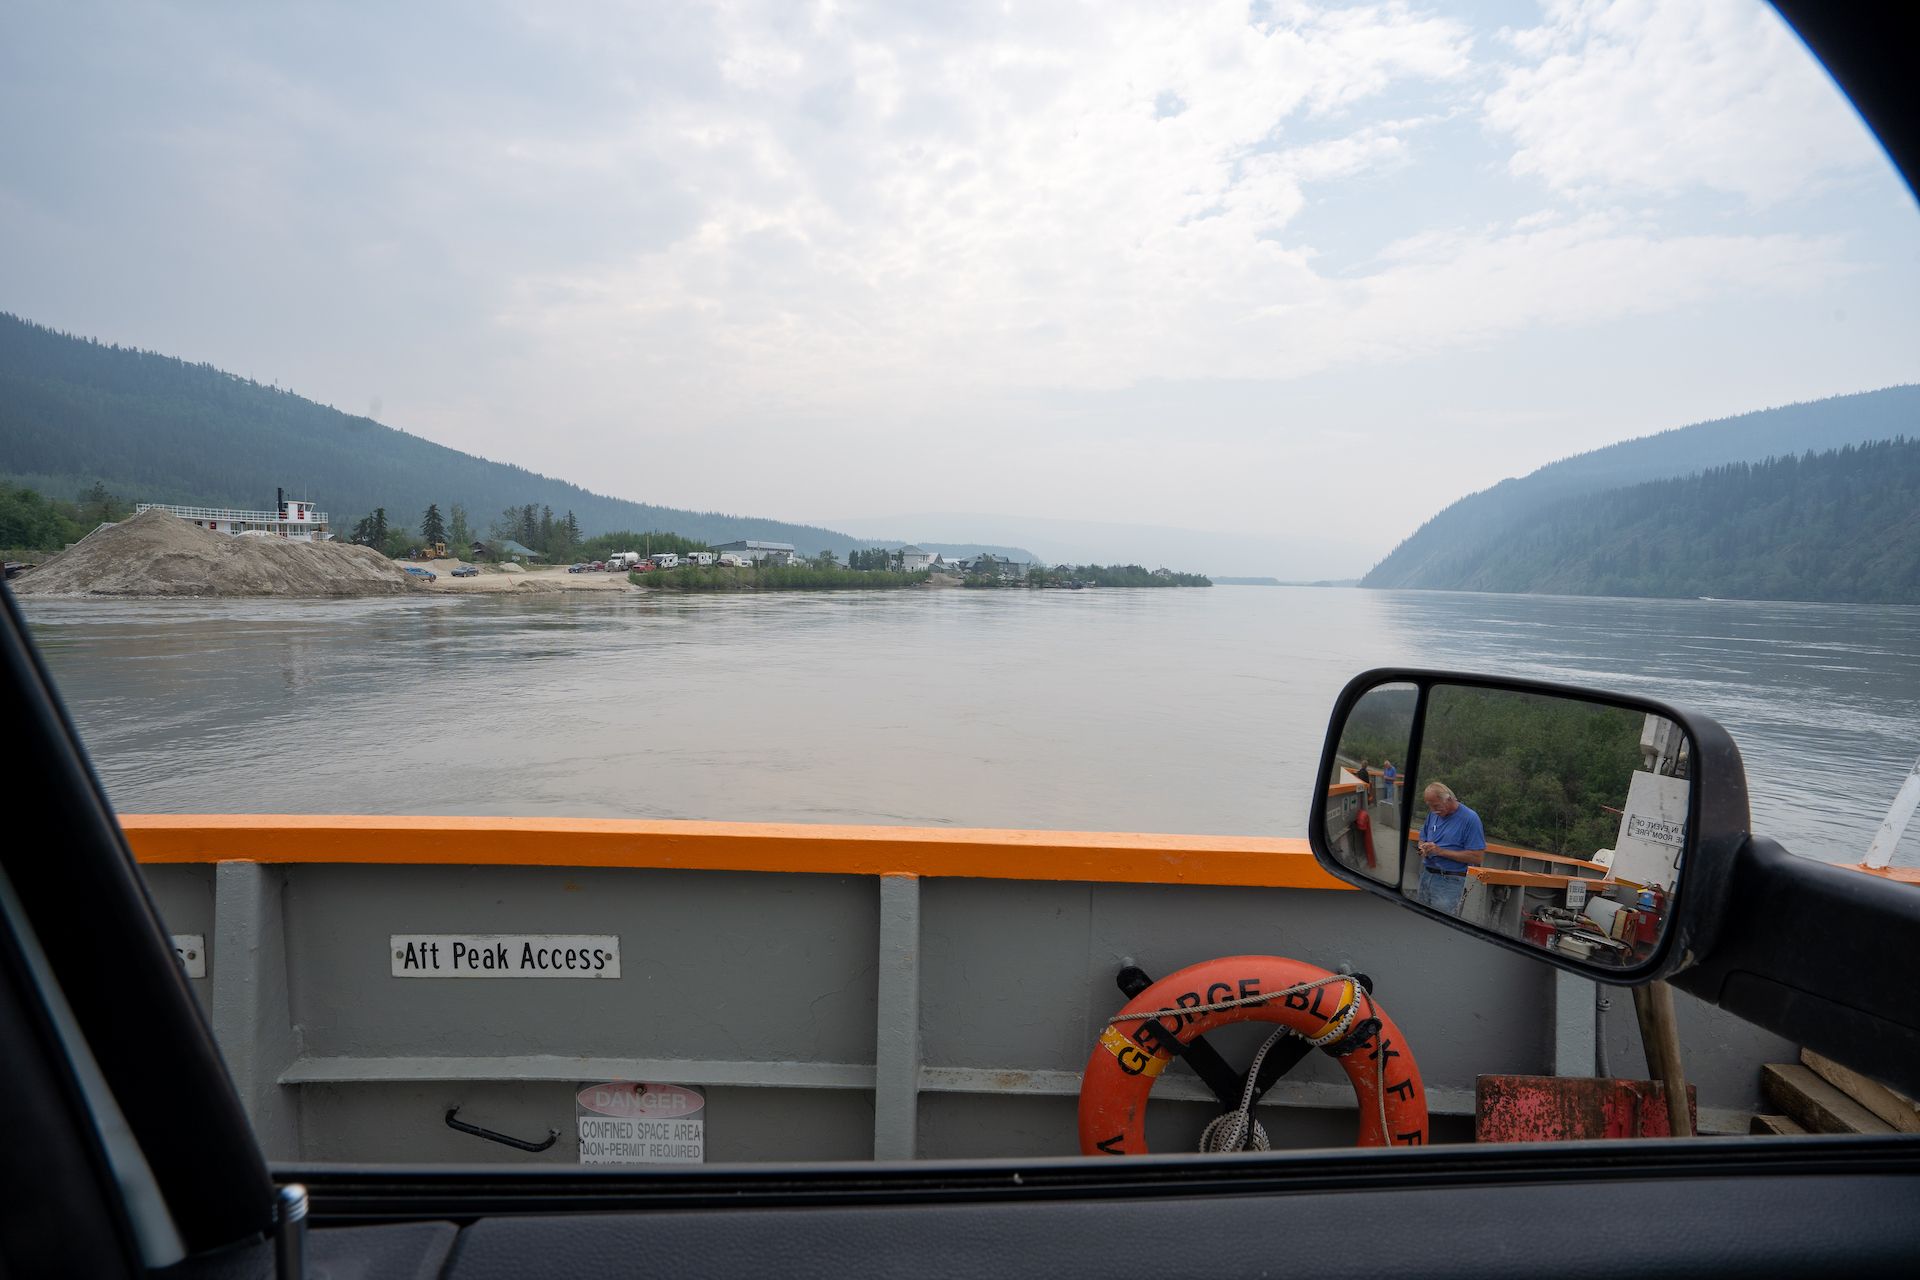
(1563, 1109)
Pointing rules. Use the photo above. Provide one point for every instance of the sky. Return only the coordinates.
(1287, 278)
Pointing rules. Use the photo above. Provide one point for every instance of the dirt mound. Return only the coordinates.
(157, 554)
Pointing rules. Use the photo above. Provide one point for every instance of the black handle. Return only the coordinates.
(553, 1135)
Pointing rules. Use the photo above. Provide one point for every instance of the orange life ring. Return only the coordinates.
(1328, 1009)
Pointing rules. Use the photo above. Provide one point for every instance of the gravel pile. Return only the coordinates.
(156, 554)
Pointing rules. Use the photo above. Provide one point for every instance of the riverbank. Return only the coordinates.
(500, 579)
(792, 577)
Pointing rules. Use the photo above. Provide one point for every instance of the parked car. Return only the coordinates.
(597, 565)
(418, 572)
(467, 571)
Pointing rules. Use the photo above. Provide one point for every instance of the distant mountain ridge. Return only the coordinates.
(1460, 545)
(1843, 525)
(157, 429)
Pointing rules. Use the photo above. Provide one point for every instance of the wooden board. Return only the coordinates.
(1782, 1125)
(1896, 1108)
(1514, 851)
(1535, 879)
(1813, 1102)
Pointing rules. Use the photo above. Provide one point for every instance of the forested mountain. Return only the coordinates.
(1450, 550)
(1839, 525)
(74, 412)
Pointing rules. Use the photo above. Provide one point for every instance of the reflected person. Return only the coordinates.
(1451, 840)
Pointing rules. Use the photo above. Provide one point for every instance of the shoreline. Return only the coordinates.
(494, 580)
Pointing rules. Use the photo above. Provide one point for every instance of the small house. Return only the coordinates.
(996, 566)
(512, 550)
(755, 552)
(912, 559)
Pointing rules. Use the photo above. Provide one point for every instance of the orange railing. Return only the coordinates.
(1101, 856)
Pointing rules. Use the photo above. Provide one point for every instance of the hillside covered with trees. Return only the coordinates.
(1843, 525)
(1450, 551)
(76, 414)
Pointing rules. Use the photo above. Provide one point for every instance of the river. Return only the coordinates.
(1161, 710)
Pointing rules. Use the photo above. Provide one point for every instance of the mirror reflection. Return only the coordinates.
(1555, 821)
(1365, 789)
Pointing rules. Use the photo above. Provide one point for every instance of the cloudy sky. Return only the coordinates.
(1297, 274)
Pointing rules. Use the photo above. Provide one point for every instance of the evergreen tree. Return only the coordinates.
(458, 532)
(98, 505)
(432, 528)
(546, 531)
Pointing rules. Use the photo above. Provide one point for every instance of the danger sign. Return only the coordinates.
(625, 1122)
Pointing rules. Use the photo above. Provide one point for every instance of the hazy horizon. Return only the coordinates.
(1279, 279)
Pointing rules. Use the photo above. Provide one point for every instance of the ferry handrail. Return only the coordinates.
(228, 513)
(1281, 862)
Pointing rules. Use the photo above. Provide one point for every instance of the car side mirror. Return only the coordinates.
(1592, 830)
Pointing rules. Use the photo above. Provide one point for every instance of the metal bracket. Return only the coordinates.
(290, 1232)
(553, 1135)
(1223, 1081)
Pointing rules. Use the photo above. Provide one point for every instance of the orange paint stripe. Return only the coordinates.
(1904, 875)
(1107, 857)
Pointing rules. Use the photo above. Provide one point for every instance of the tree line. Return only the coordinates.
(1833, 526)
(1548, 774)
(818, 574)
(30, 521)
(1827, 524)
(534, 526)
(1087, 575)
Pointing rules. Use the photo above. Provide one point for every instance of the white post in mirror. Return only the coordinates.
(1880, 852)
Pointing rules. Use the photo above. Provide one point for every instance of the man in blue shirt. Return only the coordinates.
(1451, 840)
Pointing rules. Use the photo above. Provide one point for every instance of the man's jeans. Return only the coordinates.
(1442, 892)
